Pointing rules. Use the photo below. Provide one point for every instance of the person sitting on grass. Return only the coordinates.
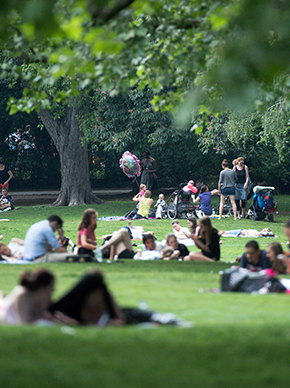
(173, 249)
(204, 197)
(6, 202)
(254, 258)
(278, 264)
(207, 242)
(152, 248)
(87, 242)
(145, 204)
(41, 245)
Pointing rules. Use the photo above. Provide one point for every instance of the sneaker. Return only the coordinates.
(98, 255)
(7, 208)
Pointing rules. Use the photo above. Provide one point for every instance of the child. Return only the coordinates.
(160, 205)
(87, 242)
(6, 200)
(141, 193)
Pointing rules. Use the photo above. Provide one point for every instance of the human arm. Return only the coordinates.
(10, 177)
(214, 192)
(247, 178)
(199, 244)
(154, 165)
(196, 200)
(17, 241)
(87, 243)
(137, 197)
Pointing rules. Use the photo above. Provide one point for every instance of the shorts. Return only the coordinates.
(228, 191)
(126, 254)
(241, 193)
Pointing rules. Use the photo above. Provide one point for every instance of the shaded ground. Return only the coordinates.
(33, 198)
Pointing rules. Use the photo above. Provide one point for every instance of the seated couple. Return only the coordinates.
(155, 250)
(203, 236)
(273, 257)
(183, 234)
(89, 302)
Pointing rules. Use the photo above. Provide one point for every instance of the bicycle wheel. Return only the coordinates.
(172, 211)
(192, 211)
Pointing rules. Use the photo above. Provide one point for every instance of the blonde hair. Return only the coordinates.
(142, 187)
(147, 194)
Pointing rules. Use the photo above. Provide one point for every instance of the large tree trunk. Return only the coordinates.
(66, 135)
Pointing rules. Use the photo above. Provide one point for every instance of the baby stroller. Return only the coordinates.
(263, 204)
(228, 209)
(179, 205)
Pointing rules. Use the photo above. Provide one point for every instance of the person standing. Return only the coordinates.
(242, 181)
(149, 168)
(5, 175)
(226, 186)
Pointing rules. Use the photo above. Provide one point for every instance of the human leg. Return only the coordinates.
(52, 257)
(243, 207)
(233, 202)
(196, 256)
(121, 240)
(222, 204)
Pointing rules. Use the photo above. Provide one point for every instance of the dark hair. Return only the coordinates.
(146, 237)
(203, 189)
(193, 227)
(37, 279)
(225, 163)
(277, 265)
(72, 303)
(252, 244)
(1, 160)
(55, 217)
(287, 224)
(170, 235)
(86, 219)
(146, 151)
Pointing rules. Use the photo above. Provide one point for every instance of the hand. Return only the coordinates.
(245, 187)
(60, 233)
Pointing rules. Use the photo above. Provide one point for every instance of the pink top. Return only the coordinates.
(89, 233)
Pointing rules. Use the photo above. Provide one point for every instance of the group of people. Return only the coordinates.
(234, 183)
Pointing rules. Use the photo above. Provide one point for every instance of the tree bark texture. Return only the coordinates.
(66, 135)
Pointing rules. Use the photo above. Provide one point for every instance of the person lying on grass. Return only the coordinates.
(30, 300)
(119, 243)
(13, 251)
(173, 249)
(85, 304)
(152, 249)
(266, 232)
(89, 302)
(207, 241)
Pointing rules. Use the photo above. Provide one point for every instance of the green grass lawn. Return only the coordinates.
(238, 340)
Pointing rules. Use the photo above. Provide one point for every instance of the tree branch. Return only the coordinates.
(104, 15)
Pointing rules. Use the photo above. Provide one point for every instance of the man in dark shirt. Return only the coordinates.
(254, 258)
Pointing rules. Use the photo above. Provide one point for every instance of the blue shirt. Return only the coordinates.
(37, 240)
